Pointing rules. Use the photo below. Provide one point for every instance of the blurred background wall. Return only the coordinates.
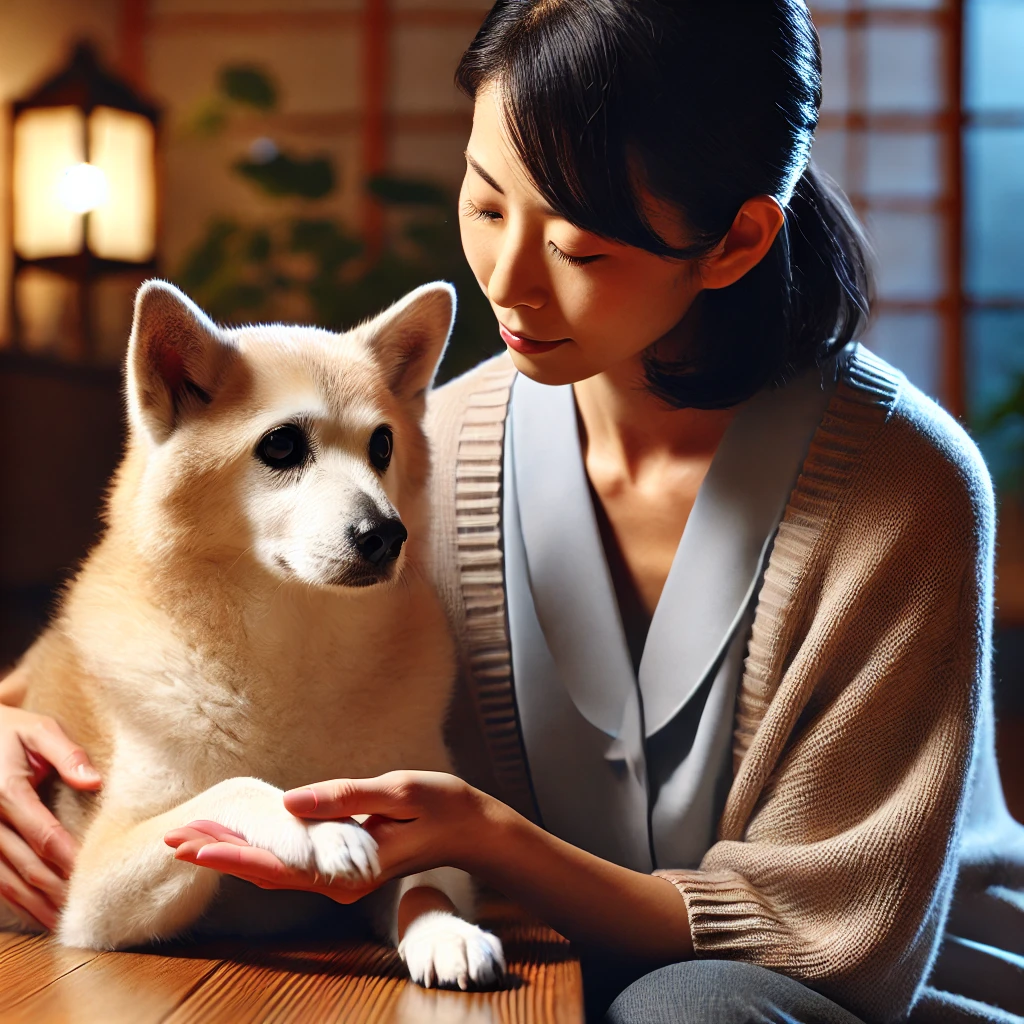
(308, 154)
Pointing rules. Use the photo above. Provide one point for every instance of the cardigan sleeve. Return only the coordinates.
(837, 849)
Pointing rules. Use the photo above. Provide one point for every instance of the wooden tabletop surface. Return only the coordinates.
(284, 981)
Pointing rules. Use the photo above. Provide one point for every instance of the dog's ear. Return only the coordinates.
(409, 338)
(176, 359)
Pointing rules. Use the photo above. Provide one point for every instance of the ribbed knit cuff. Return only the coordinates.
(726, 919)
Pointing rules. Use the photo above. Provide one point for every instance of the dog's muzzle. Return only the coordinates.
(382, 543)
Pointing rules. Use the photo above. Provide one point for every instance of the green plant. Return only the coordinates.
(1004, 423)
(302, 266)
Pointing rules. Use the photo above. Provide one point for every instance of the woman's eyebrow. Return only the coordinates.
(483, 174)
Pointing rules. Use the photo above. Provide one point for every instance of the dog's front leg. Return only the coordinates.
(440, 947)
(128, 889)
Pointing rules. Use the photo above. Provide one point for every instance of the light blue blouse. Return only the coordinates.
(635, 766)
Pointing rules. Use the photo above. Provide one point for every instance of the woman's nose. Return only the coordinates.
(517, 277)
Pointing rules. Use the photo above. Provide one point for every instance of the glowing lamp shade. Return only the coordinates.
(123, 225)
(47, 143)
(55, 186)
(83, 230)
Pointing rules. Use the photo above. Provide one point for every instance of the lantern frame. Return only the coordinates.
(84, 84)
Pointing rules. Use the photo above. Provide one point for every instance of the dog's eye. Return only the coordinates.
(283, 448)
(381, 447)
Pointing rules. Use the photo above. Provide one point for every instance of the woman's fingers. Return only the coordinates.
(188, 848)
(252, 861)
(21, 807)
(234, 858)
(30, 901)
(46, 739)
(179, 836)
(203, 829)
(341, 798)
(392, 795)
(188, 840)
(262, 868)
(36, 847)
(217, 831)
(34, 872)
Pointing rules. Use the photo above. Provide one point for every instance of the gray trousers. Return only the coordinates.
(722, 992)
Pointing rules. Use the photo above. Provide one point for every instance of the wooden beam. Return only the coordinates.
(131, 41)
(336, 123)
(897, 122)
(953, 355)
(858, 16)
(274, 22)
(376, 75)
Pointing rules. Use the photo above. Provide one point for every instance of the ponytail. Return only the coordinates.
(830, 260)
(803, 302)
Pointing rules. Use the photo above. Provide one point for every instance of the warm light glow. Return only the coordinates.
(47, 142)
(55, 185)
(82, 188)
(121, 146)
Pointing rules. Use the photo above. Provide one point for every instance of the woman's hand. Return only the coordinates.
(419, 820)
(423, 820)
(36, 852)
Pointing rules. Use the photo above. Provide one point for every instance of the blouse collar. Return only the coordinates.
(713, 574)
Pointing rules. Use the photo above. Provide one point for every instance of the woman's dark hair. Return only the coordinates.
(705, 103)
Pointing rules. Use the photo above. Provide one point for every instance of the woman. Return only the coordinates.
(722, 579)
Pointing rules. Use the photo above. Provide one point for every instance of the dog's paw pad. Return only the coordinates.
(443, 950)
(342, 849)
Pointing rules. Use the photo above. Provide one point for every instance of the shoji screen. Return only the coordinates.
(994, 218)
(890, 135)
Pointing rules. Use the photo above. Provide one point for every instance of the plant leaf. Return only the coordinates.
(406, 191)
(205, 260)
(248, 84)
(287, 176)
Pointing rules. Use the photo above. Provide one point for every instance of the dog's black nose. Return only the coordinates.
(382, 542)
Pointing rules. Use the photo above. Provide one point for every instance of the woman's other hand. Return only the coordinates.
(419, 820)
(36, 852)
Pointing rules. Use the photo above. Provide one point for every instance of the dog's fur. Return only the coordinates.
(225, 639)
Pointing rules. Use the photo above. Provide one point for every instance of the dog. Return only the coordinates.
(256, 616)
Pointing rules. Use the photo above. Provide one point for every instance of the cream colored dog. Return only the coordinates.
(256, 617)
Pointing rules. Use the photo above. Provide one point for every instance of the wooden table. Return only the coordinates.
(282, 981)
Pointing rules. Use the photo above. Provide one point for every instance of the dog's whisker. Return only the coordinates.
(244, 551)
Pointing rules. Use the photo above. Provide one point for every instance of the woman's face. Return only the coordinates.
(570, 303)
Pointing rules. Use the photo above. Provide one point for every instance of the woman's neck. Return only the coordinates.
(645, 463)
(624, 425)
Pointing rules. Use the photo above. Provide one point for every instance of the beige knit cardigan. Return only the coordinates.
(857, 711)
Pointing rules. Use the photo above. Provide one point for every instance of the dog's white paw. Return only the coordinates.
(443, 950)
(343, 849)
(334, 849)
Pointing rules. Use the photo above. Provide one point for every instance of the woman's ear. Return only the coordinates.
(408, 339)
(176, 359)
(746, 243)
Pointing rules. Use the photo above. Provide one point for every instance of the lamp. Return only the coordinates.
(83, 185)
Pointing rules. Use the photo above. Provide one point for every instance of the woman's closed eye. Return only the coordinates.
(470, 209)
(575, 261)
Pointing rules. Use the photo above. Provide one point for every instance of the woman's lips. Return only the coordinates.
(528, 346)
